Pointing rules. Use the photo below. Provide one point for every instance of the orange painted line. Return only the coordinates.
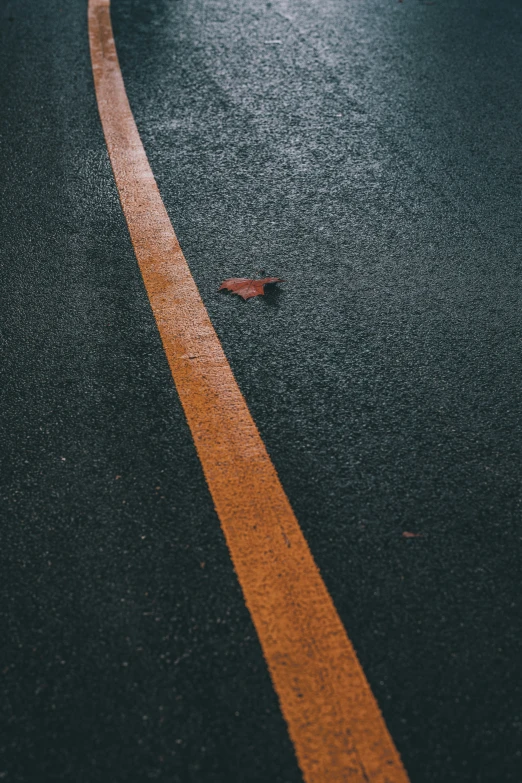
(333, 719)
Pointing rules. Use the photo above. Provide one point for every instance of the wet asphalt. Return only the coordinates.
(370, 154)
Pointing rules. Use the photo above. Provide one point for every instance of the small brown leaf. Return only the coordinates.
(246, 287)
(407, 534)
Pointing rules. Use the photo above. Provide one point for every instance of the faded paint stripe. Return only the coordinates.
(333, 719)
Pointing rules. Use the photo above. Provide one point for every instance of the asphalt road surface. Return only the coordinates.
(368, 152)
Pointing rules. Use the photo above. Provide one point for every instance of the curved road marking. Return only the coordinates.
(334, 722)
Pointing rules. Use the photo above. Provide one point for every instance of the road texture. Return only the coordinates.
(369, 153)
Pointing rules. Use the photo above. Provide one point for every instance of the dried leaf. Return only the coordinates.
(246, 287)
(407, 534)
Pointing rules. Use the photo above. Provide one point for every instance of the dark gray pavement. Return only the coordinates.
(370, 154)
